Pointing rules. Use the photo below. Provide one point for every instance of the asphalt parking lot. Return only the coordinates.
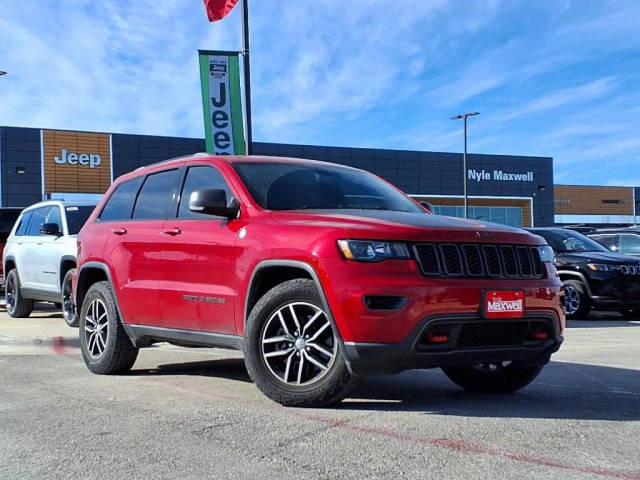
(184, 413)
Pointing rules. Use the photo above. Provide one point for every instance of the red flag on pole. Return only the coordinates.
(218, 9)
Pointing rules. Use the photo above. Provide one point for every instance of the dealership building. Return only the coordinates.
(38, 164)
(596, 205)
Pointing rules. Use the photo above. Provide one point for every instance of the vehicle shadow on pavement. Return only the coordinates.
(230, 368)
(40, 311)
(562, 391)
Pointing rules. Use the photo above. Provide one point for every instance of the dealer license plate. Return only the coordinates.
(504, 303)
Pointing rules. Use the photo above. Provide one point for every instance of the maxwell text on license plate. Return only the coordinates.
(504, 303)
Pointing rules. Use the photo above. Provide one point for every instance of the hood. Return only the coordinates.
(391, 225)
(608, 258)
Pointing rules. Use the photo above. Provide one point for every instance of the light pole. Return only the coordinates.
(464, 116)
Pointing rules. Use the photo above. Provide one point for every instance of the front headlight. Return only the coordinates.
(372, 250)
(601, 267)
(546, 254)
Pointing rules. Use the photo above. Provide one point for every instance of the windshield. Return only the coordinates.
(569, 241)
(296, 186)
(76, 217)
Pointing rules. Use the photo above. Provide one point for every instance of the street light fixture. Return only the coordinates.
(464, 116)
(2, 73)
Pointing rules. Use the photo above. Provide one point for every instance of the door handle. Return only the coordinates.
(173, 231)
(119, 231)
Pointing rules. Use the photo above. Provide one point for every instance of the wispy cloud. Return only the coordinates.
(549, 78)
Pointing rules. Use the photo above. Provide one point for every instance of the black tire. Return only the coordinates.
(576, 303)
(69, 311)
(332, 384)
(17, 305)
(118, 353)
(499, 379)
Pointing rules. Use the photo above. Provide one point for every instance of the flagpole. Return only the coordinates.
(247, 73)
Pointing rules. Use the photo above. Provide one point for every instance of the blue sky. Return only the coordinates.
(551, 77)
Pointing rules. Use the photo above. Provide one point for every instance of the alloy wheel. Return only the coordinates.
(68, 307)
(96, 328)
(298, 344)
(10, 294)
(571, 302)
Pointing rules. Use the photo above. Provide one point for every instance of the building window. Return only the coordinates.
(614, 200)
(504, 215)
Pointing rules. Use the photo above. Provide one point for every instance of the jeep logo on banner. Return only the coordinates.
(223, 123)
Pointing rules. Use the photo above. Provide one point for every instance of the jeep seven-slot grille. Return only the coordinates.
(478, 260)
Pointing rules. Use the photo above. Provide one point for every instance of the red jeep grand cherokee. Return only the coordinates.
(320, 273)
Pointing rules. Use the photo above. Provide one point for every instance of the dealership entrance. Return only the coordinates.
(515, 212)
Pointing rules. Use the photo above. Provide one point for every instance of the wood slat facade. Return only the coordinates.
(593, 200)
(67, 177)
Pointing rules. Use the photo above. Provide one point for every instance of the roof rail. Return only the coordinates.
(198, 154)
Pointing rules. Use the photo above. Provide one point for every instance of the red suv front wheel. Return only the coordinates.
(291, 348)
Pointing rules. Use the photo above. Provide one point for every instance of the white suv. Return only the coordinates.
(40, 257)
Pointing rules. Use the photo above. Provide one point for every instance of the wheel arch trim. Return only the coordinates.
(105, 268)
(65, 258)
(293, 264)
(9, 258)
(581, 277)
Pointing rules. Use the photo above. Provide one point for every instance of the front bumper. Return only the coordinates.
(610, 288)
(470, 340)
(348, 285)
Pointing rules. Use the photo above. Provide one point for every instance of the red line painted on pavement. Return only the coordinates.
(448, 443)
(466, 447)
(59, 346)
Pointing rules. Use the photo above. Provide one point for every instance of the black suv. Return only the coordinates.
(620, 240)
(593, 277)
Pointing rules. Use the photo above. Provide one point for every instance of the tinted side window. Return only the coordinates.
(120, 204)
(77, 217)
(155, 195)
(24, 223)
(199, 178)
(39, 217)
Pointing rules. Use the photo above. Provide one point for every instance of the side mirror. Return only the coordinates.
(50, 229)
(210, 201)
(428, 206)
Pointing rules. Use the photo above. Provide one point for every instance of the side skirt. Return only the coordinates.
(143, 336)
(40, 295)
